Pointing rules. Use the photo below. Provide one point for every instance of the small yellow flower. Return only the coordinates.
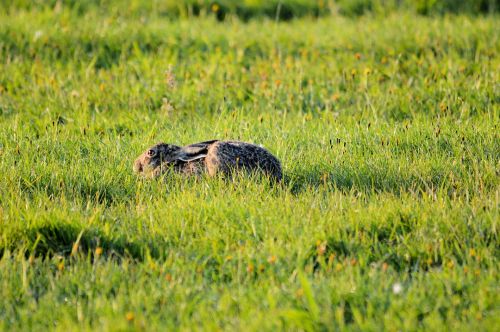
(357, 56)
(368, 71)
(215, 8)
(228, 258)
(321, 249)
(250, 268)
(60, 266)
(338, 267)
(129, 316)
(353, 72)
(98, 251)
(324, 179)
(331, 258)
(74, 249)
(271, 259)
(101, 87)
(472, 252)
(450, 264)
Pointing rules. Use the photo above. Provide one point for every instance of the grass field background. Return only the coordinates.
(387, 129)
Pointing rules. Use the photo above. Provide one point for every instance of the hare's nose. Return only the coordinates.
(138, 166)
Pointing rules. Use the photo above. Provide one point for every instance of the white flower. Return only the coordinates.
(397, 288)
(38, 34)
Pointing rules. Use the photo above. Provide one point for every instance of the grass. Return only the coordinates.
(251, 9)
(388, 131)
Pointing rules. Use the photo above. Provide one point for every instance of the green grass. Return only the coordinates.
(249, 9)
(387, 129)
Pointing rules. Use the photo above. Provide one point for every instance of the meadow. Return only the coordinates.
(387, 128)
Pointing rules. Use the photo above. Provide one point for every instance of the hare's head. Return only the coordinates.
(149, 163)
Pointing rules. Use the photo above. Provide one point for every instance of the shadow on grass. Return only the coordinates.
(375, 243)
(367, 180)
(76, 188)
(64, 239)
(393, 242)
(348, 252)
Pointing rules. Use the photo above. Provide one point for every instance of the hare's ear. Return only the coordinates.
(194, 151)
(190, 153)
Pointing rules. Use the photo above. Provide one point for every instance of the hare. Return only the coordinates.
(210, 157)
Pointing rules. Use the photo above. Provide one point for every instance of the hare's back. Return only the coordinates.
(227, 155)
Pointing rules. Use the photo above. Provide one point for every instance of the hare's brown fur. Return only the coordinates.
(212, 157)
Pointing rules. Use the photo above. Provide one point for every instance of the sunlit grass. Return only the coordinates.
(387, 218)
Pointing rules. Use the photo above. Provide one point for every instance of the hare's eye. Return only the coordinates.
(151, 153)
